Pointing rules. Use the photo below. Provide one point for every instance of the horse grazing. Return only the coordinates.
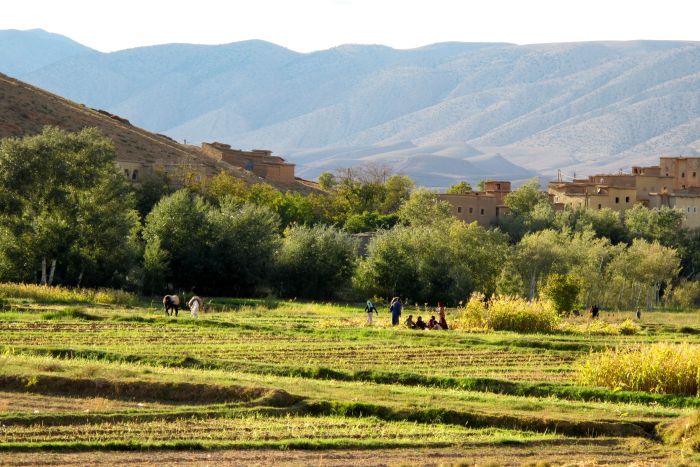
(196, 304)
(171, 303)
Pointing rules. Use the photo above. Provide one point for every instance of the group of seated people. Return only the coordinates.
(420, 324)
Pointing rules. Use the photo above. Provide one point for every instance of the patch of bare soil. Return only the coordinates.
(582, 452)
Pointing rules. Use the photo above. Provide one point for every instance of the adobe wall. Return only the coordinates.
(483, 208)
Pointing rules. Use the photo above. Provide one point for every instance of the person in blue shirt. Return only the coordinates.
(395, 309)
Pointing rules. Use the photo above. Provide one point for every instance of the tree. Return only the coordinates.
(65, 206)
(370, 222)
(242, 246)
(397, 189)
(524, 199)
(459, 188)
(538, 254)
(327, 180)
(314, 262)
(179, 225)
(424, 208)
(150, 189)
(562, 290)
(663, 224)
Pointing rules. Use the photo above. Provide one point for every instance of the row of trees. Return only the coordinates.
(68, 216)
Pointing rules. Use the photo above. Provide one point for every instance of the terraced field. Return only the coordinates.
(251, 378)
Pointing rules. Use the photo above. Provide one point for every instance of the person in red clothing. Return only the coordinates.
(441, 313)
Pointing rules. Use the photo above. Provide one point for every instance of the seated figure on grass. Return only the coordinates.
(420, 324)
(409, 322)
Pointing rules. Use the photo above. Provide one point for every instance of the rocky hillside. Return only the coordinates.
(454, 110)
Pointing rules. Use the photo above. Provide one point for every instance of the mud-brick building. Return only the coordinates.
(484, 207)
(261, 162)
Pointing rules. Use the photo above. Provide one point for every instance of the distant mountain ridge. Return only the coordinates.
(454, 110)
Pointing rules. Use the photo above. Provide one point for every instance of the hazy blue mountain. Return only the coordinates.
(25, 51)
(439, 113)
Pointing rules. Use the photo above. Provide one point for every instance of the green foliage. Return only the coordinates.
(605, 223)
(686, 294)
(327, 180)
(151, 188)
(432, 262)
(195, 245)
(525, 198)
(459, 188)
(659, 367)
(503, 313)
(563, 291)
(62, 199)
(370, 222)
(314, 262)
(424, 208)
(662, 225)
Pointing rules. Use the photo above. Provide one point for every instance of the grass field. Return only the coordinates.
(250, 379)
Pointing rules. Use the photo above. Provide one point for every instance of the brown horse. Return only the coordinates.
(171, 304)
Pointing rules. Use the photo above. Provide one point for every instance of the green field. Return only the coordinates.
(250, 380)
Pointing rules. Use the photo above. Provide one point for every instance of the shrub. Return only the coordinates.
(503, 313)
(562, 290)
(602, 328)
(686, 295)
(659, 368)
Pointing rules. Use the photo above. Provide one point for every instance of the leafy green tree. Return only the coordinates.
(179, 225)
(327, 180)
(225, 185)
(151, 188)
(605, 222)
(241, 247)
(662, 225)
(65, 206)
(538, 254)
(524, 199)
(424, 208)
(370, 222)
(397, 189)
(563, 291)
(459, 188)
(314, 262)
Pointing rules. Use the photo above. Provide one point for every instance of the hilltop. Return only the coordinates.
(26, 109)
(519, 110)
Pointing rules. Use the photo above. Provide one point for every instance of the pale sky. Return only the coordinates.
(306, 25)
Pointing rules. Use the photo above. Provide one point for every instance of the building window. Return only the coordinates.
(482, 212)
(471, 210)
(682, 174)
(498, 186)
(600, 206)
(694, 174)
(617, 200)
(688, 209)
(459, 208)
(135, 174)
(627, 199)
(126, 172)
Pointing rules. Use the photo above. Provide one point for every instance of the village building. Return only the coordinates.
(484, 207)
(674, 183)
(258, 161)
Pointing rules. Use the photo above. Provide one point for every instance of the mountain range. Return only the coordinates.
(438, 113)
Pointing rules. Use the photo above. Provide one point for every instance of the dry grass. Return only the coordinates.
(53, 294)
(659, 368)
(503, 313)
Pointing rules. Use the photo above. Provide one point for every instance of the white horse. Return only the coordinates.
(195, 305)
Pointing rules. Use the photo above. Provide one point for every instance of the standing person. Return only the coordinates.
(370, 308)
(441, 313)
(395, 308)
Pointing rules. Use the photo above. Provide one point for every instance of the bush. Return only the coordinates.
(562, 290)
(686, 294)
(659, 368)
(503, 313)
(602, 328)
